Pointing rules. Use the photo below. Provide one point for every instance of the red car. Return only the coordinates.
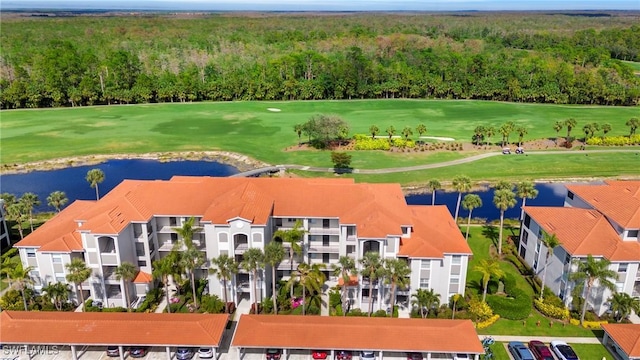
(540, 351)
(343, 355)
(319, 354)
(414, 356)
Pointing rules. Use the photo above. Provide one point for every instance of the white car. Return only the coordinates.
(367, 355)
(205, 353)
(563, 351)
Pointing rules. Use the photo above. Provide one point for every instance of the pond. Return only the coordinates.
(72, 182)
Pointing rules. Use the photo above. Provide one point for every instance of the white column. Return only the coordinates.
(215, 352)
(168, 351)
(239, 353)
(286, 354)
(74, 354)
(121, 352)
(429, 356)
(381, 357)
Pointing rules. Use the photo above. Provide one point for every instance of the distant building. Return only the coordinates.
(601, 220)
(136, 222)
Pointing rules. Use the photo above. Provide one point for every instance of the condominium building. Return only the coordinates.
(598, 220)
(136, 222)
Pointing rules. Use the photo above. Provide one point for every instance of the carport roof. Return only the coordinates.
(357, 333)
(95, 328)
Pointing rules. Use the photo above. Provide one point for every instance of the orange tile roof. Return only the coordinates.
(357, 333)
(143, 277)
(353, 280)
(627, 336)
(618, 200)
(60, 234)
(377, 210)
(584, 231)
(434, 234)
(34, 327)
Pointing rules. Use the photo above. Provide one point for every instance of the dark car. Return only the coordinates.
(343, 355)
(273, 354)
(519, 351)
(414, 356)
(137, 352)
(113, 351)
(540, 351)
(184, 353)
(563, 350)
(319, 354)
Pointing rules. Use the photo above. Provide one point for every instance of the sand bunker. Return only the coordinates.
(274, 109)
(438, 138)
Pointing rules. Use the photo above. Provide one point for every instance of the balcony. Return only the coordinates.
(285, 265)
(366, 282)
(326, 263)
(109, 259)
(240, 248)
(109, 273)
(324, 231)
(319, 247)
(352, 238)
(636, 289)
(166, 246)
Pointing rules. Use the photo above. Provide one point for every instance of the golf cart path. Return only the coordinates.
(442, 164)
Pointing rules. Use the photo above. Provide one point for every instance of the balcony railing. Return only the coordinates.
(285, 265)
(241, 248)
(109, 259)
(324, 231)
(319, 247)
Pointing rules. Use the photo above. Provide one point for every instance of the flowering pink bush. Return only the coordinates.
(174, 300)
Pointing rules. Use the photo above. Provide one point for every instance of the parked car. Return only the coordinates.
(367, 355)
(414, 356)
(343, 355)
(137, 351)
(540, 351)
(273, 354)
(462, 357)
(184, 353)
(506, 151)
(519, 351)
(205, 353)
(113, 351)
(563, 351)
(319, 354)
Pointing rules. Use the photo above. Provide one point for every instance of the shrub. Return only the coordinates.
(490, 321)
(364, 142)
(379, 313)
(517, 304)
(335, 298)
(402, 143)
(114, 309)
(480, 311)
(356, 312)
(551, 310)
(588, 324)
(614, 140)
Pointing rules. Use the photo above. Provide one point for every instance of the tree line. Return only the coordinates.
(74, 62)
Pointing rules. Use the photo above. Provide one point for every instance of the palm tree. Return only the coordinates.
(187, 230)
(557, 127)
(57, 200)
(224, 268)
(77, 273)
(525, 190)
(406, 132)
(16, 212)
(373, 130)
(252, 262)
(633, 125)
(522, 131)
(488, 268)
(273, 255)
(425, 299)
(489, 131)
(8, 263)
(461, 184)
(590, 130)
(28, 201)
(391, 131)
(478, 134)
(311, 278)
(470, 202)
(433, 186)
(591, 271)
(570, 123)
(126, 272)
(95, 177)
(371, 269)
(503, 200)
(21, 280)
(293, 238)
(396, 273)
(622, 304)
(192, 259)
(58, 293)
(299, 128)
(345, 269)
(550, 241)
(162, 269)
(455, 298)
(606, 128)
(421, 129)
(503, 185)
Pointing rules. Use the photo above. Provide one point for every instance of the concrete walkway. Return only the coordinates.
(544, 339)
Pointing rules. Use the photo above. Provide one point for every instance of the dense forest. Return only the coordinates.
(522, 57)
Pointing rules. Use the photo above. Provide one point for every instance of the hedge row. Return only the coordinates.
(551, 311)
(614, 140)
(488, 322)
(515, 306)
(588, 324)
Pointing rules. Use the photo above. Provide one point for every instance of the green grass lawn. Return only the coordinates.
(249, 128)
(634, 65)
(480, 241)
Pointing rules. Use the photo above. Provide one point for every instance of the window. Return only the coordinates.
(622, 267)
(173, 221)
(527, 220)
(424, 283)
(538, 246)
(570, 195)
(31, 252)
(567, 259)
(60, 278)
(539, 233)
(525, 237)
(56, 258)
(425, 264)
(278, 222)
(523, 252)
(454, 285)
(456, 260)
(142, 263)
(632, 233)
(351, 249)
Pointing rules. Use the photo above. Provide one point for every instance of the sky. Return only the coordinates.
(324, 5)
